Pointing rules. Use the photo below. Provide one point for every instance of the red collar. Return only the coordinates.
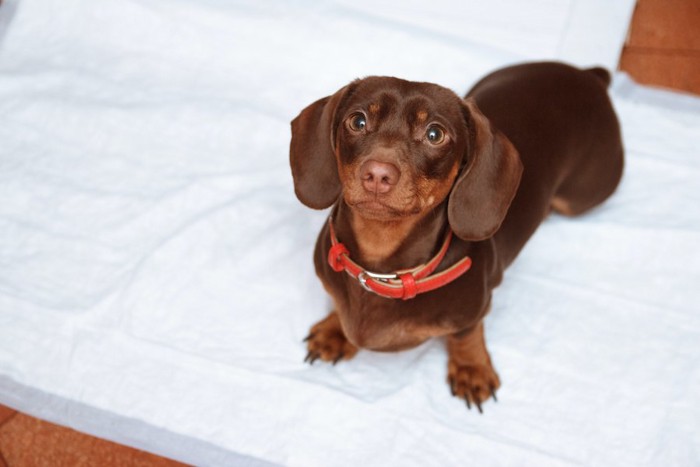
(404, 284)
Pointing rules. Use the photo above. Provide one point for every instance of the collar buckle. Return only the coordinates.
(364, 275)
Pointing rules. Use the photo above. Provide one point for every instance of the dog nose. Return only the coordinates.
(379, 177)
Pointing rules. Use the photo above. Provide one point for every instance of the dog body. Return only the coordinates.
(404, 164)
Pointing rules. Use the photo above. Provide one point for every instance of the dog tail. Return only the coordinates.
(600, 73)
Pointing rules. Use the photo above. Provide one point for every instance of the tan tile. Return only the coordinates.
(676, 71)
(666, 24)
(26, 441)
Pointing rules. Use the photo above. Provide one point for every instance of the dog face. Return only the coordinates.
(398, 146)
(393, 149)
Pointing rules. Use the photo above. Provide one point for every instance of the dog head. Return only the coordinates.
(394, 149)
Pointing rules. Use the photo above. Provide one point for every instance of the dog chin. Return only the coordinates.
(377, 210)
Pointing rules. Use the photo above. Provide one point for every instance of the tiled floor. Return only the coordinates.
(27, 441)
(663, 49)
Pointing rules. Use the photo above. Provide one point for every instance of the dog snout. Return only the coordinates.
(379, 177)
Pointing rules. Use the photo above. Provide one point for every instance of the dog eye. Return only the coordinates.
(435, 134)
(357, 122)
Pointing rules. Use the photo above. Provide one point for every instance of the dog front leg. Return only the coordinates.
(469, 371)
(327, 341)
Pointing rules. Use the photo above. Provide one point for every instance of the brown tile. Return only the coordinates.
(666, 24)
(6, 413)
(659, 68)
(27, 441)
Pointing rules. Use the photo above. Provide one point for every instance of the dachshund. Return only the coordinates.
(433, 196)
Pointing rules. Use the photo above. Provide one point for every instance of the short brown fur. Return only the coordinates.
(527, 139)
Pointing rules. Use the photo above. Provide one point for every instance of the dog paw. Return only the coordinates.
(327, 342)
(473, 383)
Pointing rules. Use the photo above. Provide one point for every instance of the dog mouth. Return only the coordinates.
(380, 210)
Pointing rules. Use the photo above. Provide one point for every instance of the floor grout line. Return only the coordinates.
(8, 417)
(693, 53)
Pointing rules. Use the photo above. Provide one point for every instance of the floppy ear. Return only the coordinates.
(311, 153)
(484, 190)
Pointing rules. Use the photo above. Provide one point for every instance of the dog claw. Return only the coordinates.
(469, 405)
(309, 337)
(311, 357)
(478, 406)
(493, 394)
(338, 358)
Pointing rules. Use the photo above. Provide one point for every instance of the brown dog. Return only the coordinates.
(407, 164)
